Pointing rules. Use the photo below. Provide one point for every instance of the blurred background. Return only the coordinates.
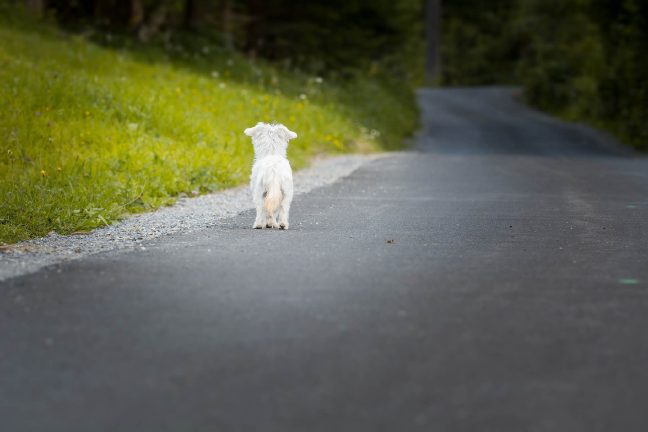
(317, 36)
(584, 60)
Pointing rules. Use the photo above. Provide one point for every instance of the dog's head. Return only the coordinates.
(269, 139)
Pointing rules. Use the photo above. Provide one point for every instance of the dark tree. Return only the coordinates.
(433, 41)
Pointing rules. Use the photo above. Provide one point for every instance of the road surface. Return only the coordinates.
(495, 278)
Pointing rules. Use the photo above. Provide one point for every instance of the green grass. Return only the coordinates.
(90, 133)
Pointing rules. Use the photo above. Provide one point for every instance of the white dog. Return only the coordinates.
(271, 180)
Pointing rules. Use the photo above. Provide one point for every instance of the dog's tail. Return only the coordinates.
(272, 197)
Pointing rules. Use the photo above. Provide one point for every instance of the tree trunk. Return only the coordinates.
(433, 37)
(37, 7)
(228, 25)
(153, 22)
(137, 14)
(191, 14)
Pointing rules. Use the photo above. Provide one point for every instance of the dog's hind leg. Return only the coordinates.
(259, 221)
(284, 209)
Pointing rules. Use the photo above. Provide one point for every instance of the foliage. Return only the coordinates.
(319, 36)
(564, 59)
(386, 35)
(89, 133)
(581, 59)
(477, 48)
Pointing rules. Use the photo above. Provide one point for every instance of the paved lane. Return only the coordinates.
(493, 279)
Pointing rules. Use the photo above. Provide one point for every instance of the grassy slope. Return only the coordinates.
(91, 133)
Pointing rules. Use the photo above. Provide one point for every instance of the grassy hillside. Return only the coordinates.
(90, 132)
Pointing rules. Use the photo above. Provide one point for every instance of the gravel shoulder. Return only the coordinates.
(187, 215)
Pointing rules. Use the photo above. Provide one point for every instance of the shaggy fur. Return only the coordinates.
(271, 180)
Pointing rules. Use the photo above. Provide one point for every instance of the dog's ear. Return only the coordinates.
(253, 130)
(287, 133)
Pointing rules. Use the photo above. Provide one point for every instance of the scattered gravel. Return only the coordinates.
(188, 214)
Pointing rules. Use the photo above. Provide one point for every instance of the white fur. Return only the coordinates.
(271, 180)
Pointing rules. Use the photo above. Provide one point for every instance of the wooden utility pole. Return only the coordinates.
(433, 39)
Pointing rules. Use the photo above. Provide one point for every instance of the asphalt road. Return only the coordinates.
(493, 279)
